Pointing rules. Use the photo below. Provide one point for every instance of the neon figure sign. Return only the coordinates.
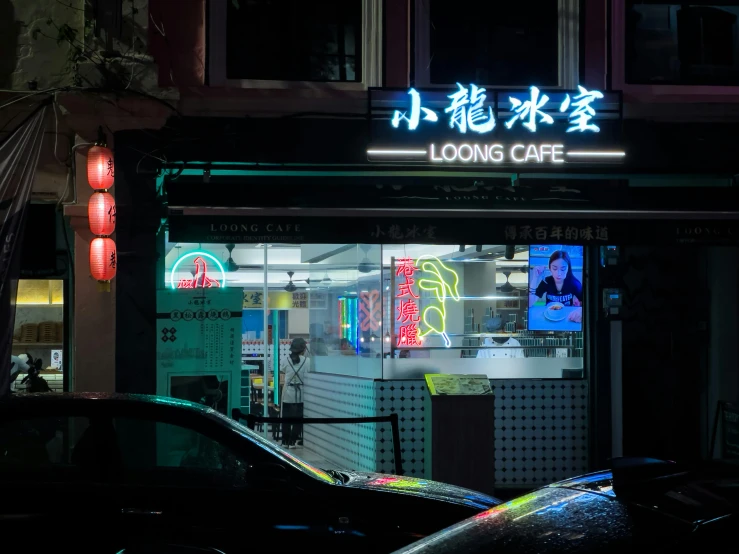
(467, 111)
(416, 324)
(201, 278)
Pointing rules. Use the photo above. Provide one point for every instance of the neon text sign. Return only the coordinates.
(415, 324)
(468, 110)
(202, 278)
(496, 153)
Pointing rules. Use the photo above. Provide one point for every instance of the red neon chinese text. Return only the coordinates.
(408, 312)
(405, 267)
(408, 335)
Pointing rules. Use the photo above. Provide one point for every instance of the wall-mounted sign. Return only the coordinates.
(278, 300)
(436, 278)
(458, 230)
(473, 126)
(204, 271)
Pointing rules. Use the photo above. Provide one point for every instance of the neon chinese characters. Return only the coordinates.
(408, 312)
(416, 323)
(468, 110)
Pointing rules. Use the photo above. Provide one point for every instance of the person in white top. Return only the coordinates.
(294, 368)
(509, 348)
(499, 347)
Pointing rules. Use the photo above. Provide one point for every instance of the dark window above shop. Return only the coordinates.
(675, 43)
(294, 40)
(489, 43)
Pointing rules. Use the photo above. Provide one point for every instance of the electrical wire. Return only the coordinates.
(49, 91)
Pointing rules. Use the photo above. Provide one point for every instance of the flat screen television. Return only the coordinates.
(556, 298)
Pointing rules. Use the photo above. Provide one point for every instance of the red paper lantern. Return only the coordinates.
(103, 259)
(100, 168)
(101, 213)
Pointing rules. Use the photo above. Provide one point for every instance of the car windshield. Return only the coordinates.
(275, 450)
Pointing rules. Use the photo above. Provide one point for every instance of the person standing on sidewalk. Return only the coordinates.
(295, 367)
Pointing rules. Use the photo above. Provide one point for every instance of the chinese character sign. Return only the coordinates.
(468, 109)
(407, 308)
(428, 273)
(199, 330)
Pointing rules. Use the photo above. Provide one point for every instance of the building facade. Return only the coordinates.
(381, 179)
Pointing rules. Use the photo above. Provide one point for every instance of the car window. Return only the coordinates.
(57, 447)
(276, 452)
(166, 454)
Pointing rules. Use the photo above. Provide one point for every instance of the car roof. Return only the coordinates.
(24, 401)
(586, 514)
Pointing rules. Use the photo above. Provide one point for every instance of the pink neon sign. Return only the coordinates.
(201, 279)
(408, 312)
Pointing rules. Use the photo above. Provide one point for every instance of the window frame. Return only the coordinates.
(568, 49)
(656, 93)
(372, 54)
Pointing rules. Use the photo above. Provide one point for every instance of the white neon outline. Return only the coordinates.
(187, 255)
(397, 152)
(596, 154)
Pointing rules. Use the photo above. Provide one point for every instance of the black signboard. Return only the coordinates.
(446, 230)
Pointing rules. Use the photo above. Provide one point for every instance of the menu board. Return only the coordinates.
(440, 384)
(199, 329)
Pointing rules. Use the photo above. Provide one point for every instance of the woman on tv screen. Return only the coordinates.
(561, 287)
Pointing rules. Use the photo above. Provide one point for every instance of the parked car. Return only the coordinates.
(641, 505)
(128, 470)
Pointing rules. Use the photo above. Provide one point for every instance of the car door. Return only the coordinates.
(52, 473)
(184, 478)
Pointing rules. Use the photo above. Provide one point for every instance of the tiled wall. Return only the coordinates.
(352, 445)
(541, 431)
(406, 398)
(541, 427)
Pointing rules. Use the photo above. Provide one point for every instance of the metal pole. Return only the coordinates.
(265, 365)
(397, 450)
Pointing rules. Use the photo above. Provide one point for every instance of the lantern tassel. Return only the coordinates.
(103, 286)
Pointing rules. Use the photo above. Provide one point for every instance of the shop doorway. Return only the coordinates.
(38, 335)
(680, 353)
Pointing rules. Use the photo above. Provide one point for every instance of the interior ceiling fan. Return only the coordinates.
(291, 286)
(365, 266)
(232, 266)
(507, 287)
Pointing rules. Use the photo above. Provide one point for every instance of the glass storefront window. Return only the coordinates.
(398, 311)
(38, 336)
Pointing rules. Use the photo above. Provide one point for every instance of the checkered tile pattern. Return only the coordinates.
(541, 427)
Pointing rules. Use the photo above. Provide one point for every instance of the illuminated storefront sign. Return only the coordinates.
(467, 111)
(202, 277)
(436, 277)
(500, 121)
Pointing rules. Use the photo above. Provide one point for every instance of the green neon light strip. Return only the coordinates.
(211, 257)
(440, 287)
